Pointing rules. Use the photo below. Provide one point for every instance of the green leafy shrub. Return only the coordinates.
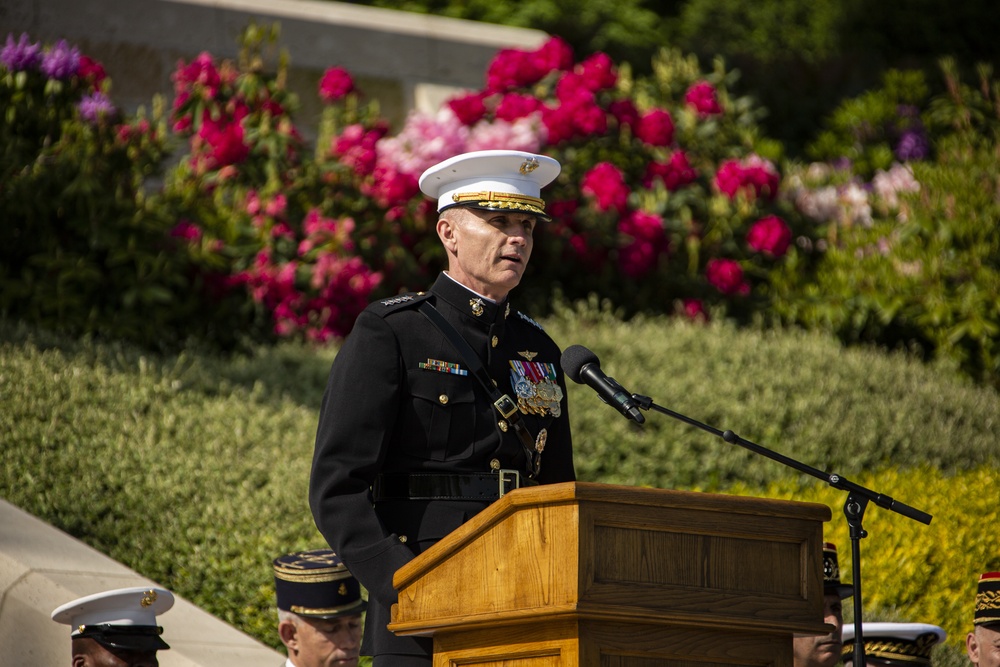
(193, 468)
(881, 127)
(79, 249)
(914, 265)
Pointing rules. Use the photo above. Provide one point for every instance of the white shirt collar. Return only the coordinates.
(481, 296)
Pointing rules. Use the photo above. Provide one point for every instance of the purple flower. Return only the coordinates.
(61, 61)
(21, 55)
(912, 146)
(95, 106)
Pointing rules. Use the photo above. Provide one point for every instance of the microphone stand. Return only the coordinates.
(857, 501)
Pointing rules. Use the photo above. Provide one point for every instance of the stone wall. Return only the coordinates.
(403, 59)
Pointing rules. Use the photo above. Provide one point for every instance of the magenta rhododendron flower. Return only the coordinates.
(186, 230)
(754, 176)
(335, 84)
(598, 72)
(606, 184)
(201, 73)
(656, 127)
(224, 138)
(770, 235)
(390, 187)
(554, 55)
(647, 241)
(513, 68)
(624, 112)
(702, 97)
(674, 174)
(514, 105)
(355, 147)
(694, 310)
(91, 71)
(726, 275)
(469, 109)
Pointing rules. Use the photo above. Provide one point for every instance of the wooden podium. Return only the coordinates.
(596, 575)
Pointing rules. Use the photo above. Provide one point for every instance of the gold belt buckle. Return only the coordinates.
(509, 475)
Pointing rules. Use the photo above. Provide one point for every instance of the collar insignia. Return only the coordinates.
(477, 306)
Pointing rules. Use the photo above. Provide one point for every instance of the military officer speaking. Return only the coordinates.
(438, 402)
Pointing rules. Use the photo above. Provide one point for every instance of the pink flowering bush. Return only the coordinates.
(660, 177)
(666, 201)
(80, 249)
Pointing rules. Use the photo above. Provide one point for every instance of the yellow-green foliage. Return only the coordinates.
(911, 571)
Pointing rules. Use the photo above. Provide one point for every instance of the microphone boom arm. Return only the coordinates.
(858, 498)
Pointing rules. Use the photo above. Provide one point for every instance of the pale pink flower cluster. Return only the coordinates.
(888, 184)
(429, 138)
(425, 140)
(523, 134)
(850, 203)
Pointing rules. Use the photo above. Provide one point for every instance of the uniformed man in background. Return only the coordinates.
(825, 650)
(319, 609)
(895, 644)
(983, 643)
(116, 628)
(439, 402)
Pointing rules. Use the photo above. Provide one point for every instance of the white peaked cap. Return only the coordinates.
(119, 607)
(492, 180)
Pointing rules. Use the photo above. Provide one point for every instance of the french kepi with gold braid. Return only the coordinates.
(895, 644)
(988, 599)
(496, 180)
(831, 573)
(316, 584)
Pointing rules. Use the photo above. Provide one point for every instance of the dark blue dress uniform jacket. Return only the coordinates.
(382, 412)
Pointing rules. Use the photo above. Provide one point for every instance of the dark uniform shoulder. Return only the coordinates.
(395, 304)
(524, 318)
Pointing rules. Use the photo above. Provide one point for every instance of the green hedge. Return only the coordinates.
(193, 469)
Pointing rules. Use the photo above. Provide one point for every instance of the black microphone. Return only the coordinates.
(582, 366)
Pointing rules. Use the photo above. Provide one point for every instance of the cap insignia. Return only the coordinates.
(148, 598)
(477, 306)
(529, 165)
(343, 588)
(528, 355)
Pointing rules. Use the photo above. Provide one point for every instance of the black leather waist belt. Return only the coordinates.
(442, 486)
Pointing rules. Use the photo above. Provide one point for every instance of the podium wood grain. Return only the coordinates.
(594, 574)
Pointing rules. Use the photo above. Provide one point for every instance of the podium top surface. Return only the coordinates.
(591, 493)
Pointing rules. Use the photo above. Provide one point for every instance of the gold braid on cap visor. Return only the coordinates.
(501, 200)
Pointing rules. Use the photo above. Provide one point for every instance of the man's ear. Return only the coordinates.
(972, 647)
(446, 232)
(289, 633)
(79, 660)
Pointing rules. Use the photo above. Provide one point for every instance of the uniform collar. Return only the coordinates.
(470, 303)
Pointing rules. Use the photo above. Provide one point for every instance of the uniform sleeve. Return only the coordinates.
(355, 422)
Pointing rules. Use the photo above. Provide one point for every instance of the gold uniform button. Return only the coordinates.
(443, 399)
(496, 341)
(495, 464)
(402, 538)
(503, 425)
